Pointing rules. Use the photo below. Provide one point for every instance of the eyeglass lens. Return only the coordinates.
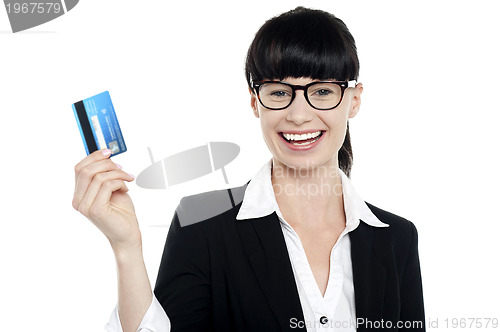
(321, 95)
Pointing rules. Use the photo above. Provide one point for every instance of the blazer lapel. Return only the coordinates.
(265, 247)
(368, 273)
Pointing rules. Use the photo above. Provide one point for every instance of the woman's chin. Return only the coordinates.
(298, 163)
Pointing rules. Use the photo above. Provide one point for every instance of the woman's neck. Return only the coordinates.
(309, 197)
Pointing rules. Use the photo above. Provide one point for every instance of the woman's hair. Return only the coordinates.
(305, 43)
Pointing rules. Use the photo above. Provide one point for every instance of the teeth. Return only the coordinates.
(294, 137)
(306, 143)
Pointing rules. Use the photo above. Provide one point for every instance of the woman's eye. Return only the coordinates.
(279, 93)
(323, 92)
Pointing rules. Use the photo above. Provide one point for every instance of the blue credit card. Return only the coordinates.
(98, 124)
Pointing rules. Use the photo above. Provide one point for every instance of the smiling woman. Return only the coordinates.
(300, 250)
(293, 129)
(310, 45)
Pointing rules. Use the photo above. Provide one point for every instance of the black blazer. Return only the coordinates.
(223, 274)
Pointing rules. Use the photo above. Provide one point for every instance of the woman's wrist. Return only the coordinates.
(126, 251)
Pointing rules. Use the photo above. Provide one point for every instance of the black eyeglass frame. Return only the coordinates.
(343, 86)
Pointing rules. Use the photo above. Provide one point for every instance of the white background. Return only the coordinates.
(425, 142)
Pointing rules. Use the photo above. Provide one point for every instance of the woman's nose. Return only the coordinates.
(299, 110)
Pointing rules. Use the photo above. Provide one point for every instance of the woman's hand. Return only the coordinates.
(101, 196)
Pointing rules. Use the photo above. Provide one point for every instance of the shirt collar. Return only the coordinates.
(259, 200)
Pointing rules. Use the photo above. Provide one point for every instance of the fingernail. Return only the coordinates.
(106, 152)
(119, 166)
(133, 177)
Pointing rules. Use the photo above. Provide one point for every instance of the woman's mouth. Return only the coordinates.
(302, 139)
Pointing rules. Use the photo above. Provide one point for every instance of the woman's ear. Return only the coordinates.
(356, 100)
(253, 103)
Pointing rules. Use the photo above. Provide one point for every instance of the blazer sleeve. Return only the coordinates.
(412, 302)
(183, 283)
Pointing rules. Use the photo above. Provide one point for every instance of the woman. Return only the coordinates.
(298, 249)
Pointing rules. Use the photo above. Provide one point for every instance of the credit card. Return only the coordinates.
(98, 124)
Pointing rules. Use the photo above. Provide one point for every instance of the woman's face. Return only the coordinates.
(301, 118)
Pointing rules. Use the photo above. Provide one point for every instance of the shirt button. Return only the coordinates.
(323, 320)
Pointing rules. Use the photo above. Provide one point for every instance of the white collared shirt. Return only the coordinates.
(335, 311)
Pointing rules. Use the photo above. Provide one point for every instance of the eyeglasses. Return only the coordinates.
(324, 95)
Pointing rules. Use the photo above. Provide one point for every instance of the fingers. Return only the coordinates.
(104, 196)
(101, 184)
(95, 163)
(85, 169)
(92, 158)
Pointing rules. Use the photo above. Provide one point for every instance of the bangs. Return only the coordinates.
(303, 44)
